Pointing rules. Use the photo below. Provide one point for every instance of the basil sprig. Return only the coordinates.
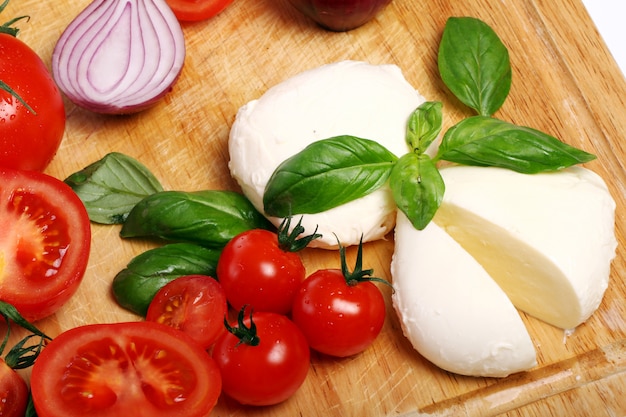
(474, 65)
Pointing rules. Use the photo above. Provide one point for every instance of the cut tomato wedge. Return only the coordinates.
(143, 369)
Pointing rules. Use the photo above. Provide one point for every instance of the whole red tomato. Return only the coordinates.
(262, 269)
(196, 10)
(340, 313)
(32, 115)
(264, 360)
(13, 392)
(340, 15)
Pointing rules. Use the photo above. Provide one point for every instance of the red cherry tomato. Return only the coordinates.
(195, 304)
(339, 315)
(44, 243)
(262, 269)
(13, 392)
(143, 369)
(196, 10)
(29, 138)
(262, 366)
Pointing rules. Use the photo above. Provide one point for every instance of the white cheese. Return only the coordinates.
(451, 311)
(344, 98)
(547, 239)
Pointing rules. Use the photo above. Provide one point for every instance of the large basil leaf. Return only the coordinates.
(135, 286)
(209, 218)
(110, 188)
(485, 141)
(424, 126)
(326, 174)
(474, 64)
(417, 188)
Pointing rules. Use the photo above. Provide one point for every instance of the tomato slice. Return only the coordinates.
(143, 369)
(196, 10)
(195, 304)
(44, 243)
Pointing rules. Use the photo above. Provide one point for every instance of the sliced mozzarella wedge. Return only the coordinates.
(344, 98)
(547, 239)
(451, 310)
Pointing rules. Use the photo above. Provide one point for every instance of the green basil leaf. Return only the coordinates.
(417, 188)
(209, 218)
(135, 286)
(327, 174)
(474, 64)
(110, 188)
(485, 141)
(424, 126)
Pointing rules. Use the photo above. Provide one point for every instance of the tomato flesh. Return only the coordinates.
(145, 368)
(196, 10)
(45, 243)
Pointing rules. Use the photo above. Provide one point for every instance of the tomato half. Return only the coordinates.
(28, 139)
(337, 318)
(196, 10)
(266, 373)
(255, 271)
(44, 243)
(194, 304)
(143, 369)
(13, 392)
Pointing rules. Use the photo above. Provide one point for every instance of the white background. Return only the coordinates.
(610, 19)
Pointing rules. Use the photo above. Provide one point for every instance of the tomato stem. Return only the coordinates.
(247, 335)
(8, 27)
(289, 241)
(358, 274)
(20, 357)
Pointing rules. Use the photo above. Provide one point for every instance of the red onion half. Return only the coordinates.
(119, 56)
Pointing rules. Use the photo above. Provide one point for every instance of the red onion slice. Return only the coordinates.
(119, 56)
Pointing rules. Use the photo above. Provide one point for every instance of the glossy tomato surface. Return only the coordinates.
(138, 369)
(196, 10)
(44, 243)
(338, 319)
(255, 271)
(194, 304)
(340, 15)
(13, 392)
(29, 139)
(270, 372)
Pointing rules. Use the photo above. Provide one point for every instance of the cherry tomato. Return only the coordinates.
(44, 243)
(196, 10)
(262, 269)
(29, 138)
(264, 363)
(143, 369)
(13, 392)
(195, 304)
(340, 315)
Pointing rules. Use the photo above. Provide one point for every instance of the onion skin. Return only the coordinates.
(119, 56)
(340, 15)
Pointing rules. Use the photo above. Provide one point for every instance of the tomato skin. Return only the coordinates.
(196, 10)
(194, 304)
(336, 318)
(255, 271)
(142, 368)
(270, 372)
(28, 141)
(13, 392)
(44, 244)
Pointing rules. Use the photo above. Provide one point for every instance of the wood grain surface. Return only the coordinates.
(564, 82)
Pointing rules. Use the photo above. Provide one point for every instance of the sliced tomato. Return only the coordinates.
(196, 10)
(44, 243)
(13, 392)
(195, 304)
(143, 369)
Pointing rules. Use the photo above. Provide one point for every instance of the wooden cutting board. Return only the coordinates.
(564, 82)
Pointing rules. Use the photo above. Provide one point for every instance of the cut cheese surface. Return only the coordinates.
(451, 310)
(547, 239)
(344, 98)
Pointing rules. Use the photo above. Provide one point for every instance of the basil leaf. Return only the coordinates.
(485, 141)
(327, 174)
(209, 218)
(110, 188)
(424, 126)
(474, 64)
(135, 286)
(417, 188)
